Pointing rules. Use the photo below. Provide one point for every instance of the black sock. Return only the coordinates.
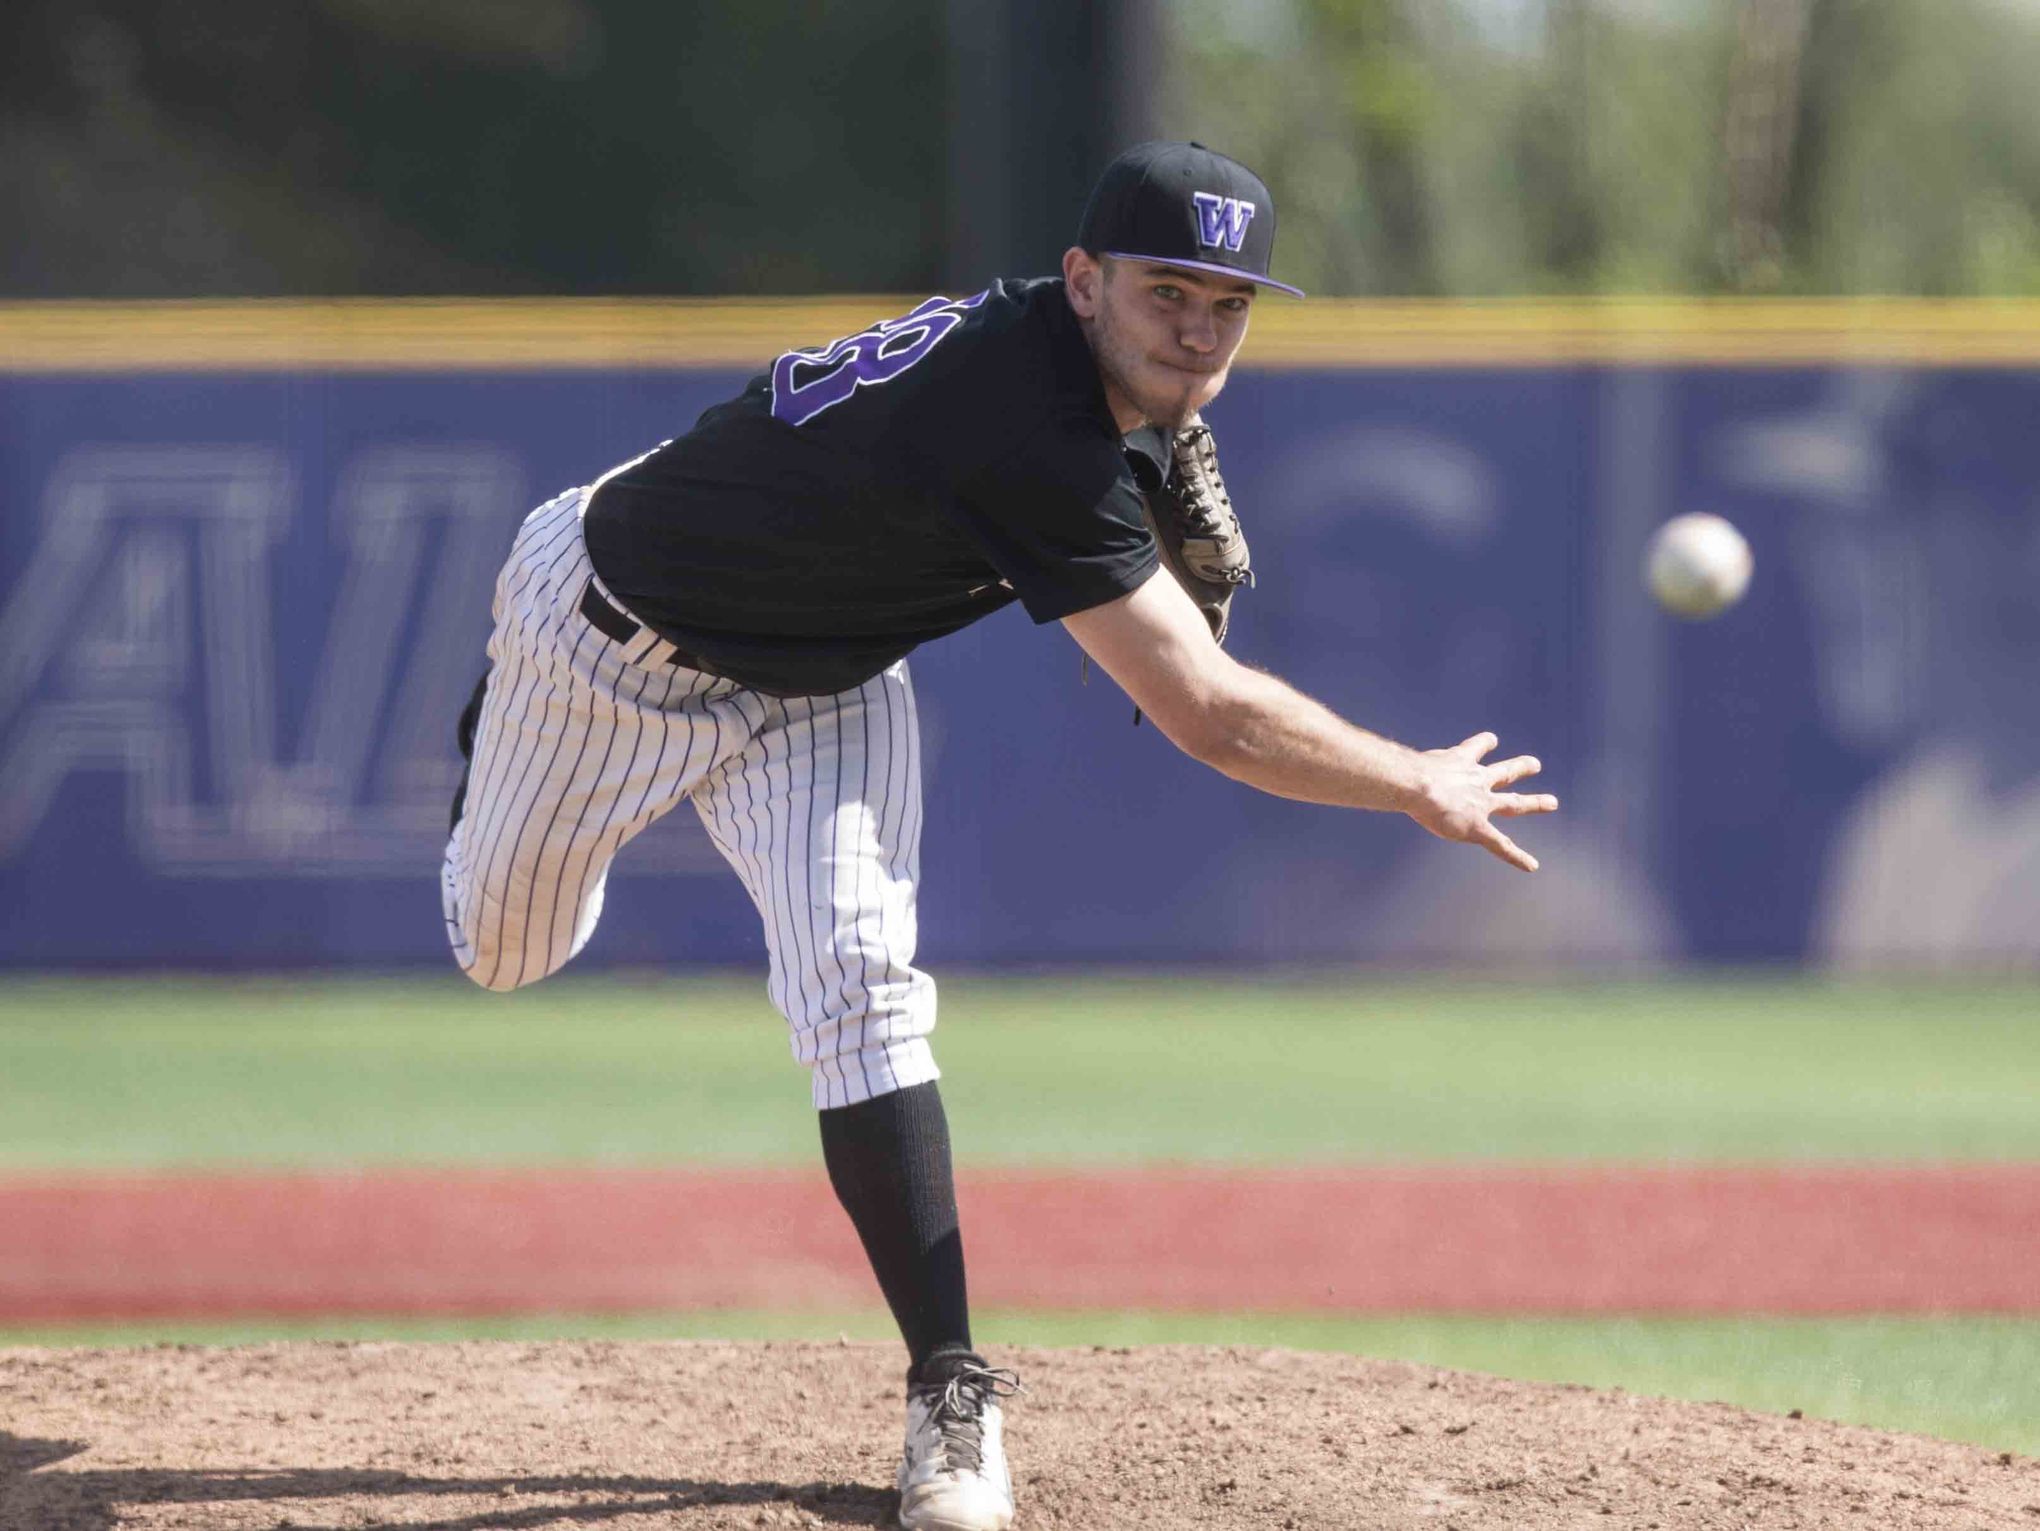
(888, 1159)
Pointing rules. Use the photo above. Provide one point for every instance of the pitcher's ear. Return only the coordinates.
(1084, 280)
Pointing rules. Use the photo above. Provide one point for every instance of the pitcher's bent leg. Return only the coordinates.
(576, 751)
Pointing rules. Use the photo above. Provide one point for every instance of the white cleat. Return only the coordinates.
(953, 1476)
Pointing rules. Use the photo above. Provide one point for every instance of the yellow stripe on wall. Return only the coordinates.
(1617, 331)
(413, 334)
(416, 334)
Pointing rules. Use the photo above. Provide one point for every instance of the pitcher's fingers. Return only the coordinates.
(1508, 850)
(1506, 772)
(1478, 745)
(1516, 804)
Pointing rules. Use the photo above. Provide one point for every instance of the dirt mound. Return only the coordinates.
(504, 1437)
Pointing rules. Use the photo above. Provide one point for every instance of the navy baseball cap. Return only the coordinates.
(1183, 205)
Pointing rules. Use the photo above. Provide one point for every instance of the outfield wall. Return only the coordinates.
(245, 554)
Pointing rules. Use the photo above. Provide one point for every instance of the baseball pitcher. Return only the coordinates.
(726, 621)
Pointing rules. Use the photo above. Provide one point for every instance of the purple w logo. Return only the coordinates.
(1221, 220)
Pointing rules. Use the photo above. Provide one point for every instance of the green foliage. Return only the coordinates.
(1928, 178)
(1467, 148)
(1426, 147)
(238, 147)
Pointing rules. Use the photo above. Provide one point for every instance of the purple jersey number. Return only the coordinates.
(806, 382)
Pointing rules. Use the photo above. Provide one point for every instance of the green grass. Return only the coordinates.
(1365, 1069)
(1966, 1379)
(320, 1071)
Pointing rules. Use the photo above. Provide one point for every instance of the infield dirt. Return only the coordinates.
(1819, 1239)
(687, 1436)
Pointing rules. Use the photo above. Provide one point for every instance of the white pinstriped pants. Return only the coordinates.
(814, 801)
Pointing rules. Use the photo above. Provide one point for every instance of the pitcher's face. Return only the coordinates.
(1164, 336)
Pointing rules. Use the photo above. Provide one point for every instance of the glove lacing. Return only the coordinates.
(1207, 505)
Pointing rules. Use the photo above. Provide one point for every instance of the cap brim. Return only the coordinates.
(1207, 265)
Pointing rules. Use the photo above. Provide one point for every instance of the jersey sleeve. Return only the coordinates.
(1061, 520)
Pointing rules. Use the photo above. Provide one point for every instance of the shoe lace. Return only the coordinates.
(958, 1411)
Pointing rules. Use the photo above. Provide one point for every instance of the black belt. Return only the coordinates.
(603, 616)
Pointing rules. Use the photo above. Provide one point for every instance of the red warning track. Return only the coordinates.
(1485, 1239)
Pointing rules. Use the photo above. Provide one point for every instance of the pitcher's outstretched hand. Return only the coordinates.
(1461, 795)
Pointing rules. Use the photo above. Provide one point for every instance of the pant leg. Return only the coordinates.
(820, 815)
(578, 747)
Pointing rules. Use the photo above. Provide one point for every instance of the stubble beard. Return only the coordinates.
(1120, 363)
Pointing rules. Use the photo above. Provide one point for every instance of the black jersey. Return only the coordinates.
(893, 486)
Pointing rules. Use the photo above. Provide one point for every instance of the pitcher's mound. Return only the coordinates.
(628, 1437)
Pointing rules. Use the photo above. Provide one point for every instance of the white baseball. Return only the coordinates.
(1698, 565)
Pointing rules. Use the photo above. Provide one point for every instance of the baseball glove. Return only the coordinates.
(1199, 536)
